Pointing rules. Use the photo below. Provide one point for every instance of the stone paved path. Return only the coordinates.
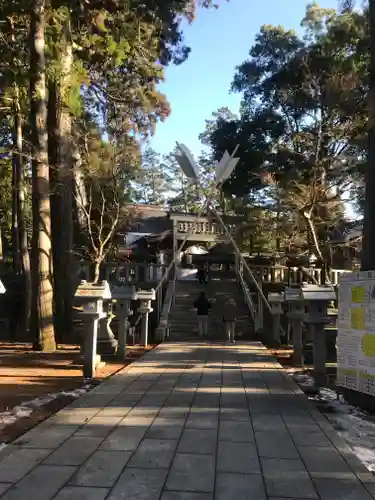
(187, 422)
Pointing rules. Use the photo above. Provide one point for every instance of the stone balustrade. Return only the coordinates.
(134, 272)
(284, 274)
(131, 273)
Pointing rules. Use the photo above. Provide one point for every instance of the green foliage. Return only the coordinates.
(302, 125)
(97, 79)
(152, 180)
(119, 51)
(160, 181)
(106, 171)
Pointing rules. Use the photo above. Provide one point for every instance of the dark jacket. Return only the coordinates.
(202, 305)
(229, 312)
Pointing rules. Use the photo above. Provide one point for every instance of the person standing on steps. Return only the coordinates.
(229, 318)
(207, 272)
(202, 305)
(201, 276)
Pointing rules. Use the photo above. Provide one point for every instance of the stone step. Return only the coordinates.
(218, 326)
(190, 301)
(179, 327)
(183, 313)
(193, 318)
(224, 292)
(183, 318)
(187, 317)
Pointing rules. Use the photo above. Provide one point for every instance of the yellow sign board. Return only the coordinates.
(358, 294)
(357, 318)
(368, 345)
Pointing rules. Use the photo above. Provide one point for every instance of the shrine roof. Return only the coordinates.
(158, 219)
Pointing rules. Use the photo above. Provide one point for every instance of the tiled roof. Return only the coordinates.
(149, 219)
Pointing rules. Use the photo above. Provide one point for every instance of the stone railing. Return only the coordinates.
(134, 273)
(131, 272)
(275, 274)
(283, 274)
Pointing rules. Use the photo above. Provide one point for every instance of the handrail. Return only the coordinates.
(245, 265)
(248, 299)
(163, 327)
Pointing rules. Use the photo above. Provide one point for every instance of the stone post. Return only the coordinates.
(123, 295)
(91, 322)
(275, 300)
(122, 312)
(144, 334)
(276, 322)
(107, 344)
(91, 296)
(145, 296)
(320, 353)
(318, 298)
(296, 314)
(297, 356)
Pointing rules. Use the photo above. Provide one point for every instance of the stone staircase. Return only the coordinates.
(183, 317)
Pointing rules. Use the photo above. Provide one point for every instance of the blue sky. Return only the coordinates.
(220, 40)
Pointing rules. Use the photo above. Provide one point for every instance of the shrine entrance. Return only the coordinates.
(215, 249)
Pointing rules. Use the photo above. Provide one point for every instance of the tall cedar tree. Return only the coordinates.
(41, 268)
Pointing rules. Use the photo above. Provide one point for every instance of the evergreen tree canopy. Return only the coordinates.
(302, 124)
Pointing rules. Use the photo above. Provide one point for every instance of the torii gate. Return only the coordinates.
(223, 171)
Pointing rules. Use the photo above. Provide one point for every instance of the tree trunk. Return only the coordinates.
(42, 289)
(66, 196)
(79, 190)
(1, 244)
(63, 240)
(61, 203)
(368, 247)
(16, 254)
(80, 198)
(278, 225)
(60, 136)
(20, 248)
(23, 259)
(97, 271)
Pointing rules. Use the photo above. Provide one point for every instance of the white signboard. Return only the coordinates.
(356, 332)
